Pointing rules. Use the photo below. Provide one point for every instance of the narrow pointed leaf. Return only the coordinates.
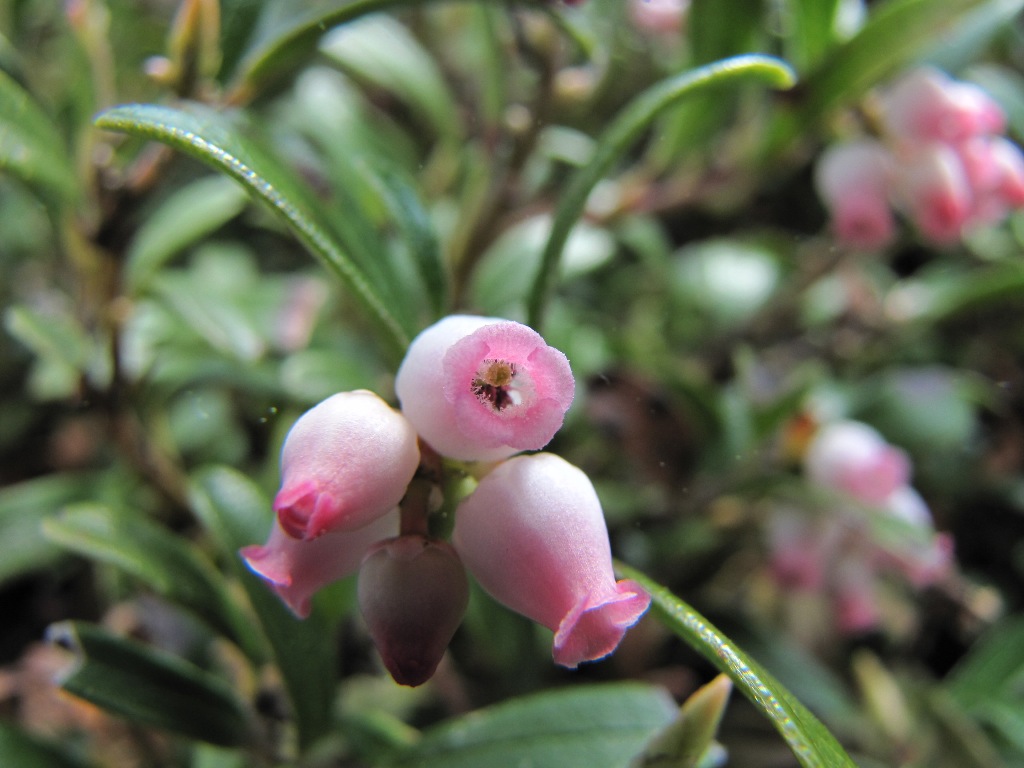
(692, 733)
(237, 513)
(214, 139)
(811, 742)
(159, 559)
(191, 214)
(896, 32)
(627, 127)
(812, 31)
(20, 750)
(286, 34)
(150, 687)
(30, 146)
(593, 726)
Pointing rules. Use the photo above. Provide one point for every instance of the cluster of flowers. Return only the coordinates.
(876, 523)
(360, 478)
(941, 160)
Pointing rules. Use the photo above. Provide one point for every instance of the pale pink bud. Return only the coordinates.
(296, 569)
(482, 389)
(994, 168)
(658, 16)
(852, 457)
(345, 462)
(413, 593)
(852, 180)
(534, 535)
(935, 191)
(928, 105)
(922, 555)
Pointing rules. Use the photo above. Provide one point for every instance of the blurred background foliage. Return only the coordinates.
(165, 325)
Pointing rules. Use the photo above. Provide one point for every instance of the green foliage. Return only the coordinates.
(149, 687)
(595, 726)
(645, 197)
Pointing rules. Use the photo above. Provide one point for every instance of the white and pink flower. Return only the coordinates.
(345, 462)
(483, 389)
(533, 534)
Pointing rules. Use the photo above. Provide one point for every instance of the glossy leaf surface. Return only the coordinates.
(812, 743)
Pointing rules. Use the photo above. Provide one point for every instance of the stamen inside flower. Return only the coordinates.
(496, 385)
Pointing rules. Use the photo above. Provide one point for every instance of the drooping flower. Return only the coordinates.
(413, 593)
(345, 462)
(295, 569)
(934, 191)
(533, 534)
(928, 105)
(483, 389)
(853, 458)
(852, 179)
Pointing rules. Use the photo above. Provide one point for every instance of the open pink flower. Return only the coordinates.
(533, 534)
(854, 458)
(852, 179)
(345, 462)
(482, 389)
(296, 569)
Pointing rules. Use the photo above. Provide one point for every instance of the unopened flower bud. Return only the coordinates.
(482, 389)
(534, 536)
(413, 593)
(934, 191)
(345, 462)
(928, 105)
(852, 180)
(295, 569)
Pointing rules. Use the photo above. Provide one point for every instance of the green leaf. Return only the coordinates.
(30, 146)
(588, 726)
(989, 682)
(19, 750)
(692, 733)
(626, 128)
(287, 32)
(192, 213)
(896, 32)
(23, 508)
(812, 31)
(159, 559)
(408, 212)
(718, 30)
(380, 51)
(238, 514)
(812, 743)
(150, 687)
(214, 139)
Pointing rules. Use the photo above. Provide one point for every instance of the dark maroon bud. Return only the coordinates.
(413, 593)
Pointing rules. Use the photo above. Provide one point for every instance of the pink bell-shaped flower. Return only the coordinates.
(854, 458)
(413, 593)
(935, 192)
(928, 105)
(534, 536)
(345, 462)
(295, 569)
(482, 389)
(852, 180)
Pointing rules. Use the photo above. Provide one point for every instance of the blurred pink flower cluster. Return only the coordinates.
(359, 480)
(941, 160)
(875, 523)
